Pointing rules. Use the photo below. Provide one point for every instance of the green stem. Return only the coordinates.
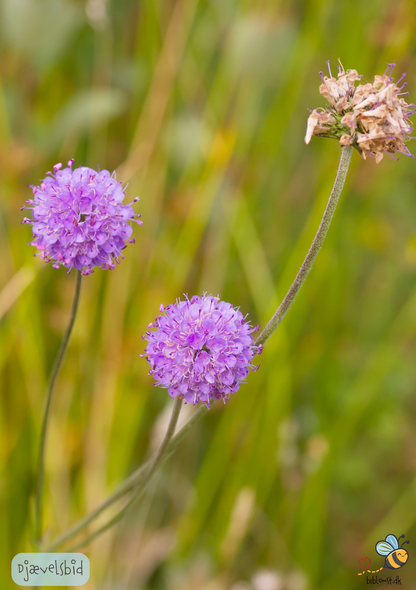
(46, 410)
(134, 483)
(143, 481)
(139, 478)
(313, 250)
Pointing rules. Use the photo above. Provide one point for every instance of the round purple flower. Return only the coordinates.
(79, 220)
(201, 349)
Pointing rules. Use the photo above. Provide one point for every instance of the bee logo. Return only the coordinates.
(396, 556)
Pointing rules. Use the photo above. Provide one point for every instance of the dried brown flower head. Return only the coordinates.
(373, 118)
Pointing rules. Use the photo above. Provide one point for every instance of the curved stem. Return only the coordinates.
(143, 481)
(46, 409)
(129, 484)
(313, 250)
(139, 478)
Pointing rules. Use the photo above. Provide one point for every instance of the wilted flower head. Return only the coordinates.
(79, 219)
(201, 349)
(371, 117)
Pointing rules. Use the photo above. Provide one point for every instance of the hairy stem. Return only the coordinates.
(313, 250)
(46, 410)
(144, 480)
(135, 483)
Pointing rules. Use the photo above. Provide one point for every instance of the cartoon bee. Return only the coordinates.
(396, 556)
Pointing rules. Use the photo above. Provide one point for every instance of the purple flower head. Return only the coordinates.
(79, 220)
(200, 349)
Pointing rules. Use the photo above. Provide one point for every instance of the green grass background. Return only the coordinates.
(201, 106)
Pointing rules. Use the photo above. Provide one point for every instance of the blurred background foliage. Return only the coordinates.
(201, 105)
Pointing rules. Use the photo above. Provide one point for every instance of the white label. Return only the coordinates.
(50, 569)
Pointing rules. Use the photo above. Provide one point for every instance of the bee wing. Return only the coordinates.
(384, 548)
(392, 539)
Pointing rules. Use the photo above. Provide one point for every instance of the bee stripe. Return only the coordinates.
(394, 561)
